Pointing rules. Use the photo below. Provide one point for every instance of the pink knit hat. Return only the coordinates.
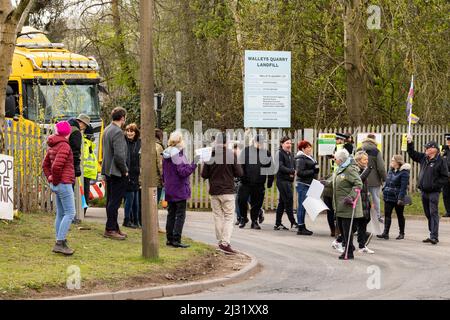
(63, 128)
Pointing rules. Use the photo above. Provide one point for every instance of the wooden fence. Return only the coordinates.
(27, 145)
(392, 135)
(32, 193)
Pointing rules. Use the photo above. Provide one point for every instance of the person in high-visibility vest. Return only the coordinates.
(90, 163)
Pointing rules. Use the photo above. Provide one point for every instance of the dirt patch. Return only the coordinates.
(213, 265)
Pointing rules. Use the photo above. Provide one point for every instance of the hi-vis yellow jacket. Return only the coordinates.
(89, 160)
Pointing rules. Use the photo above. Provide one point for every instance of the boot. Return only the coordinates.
(61, 247)
(255, 225)
(387, 226)
(302, 231)
(126, 222)
(401, 236)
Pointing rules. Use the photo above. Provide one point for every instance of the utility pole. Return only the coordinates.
(150, 240)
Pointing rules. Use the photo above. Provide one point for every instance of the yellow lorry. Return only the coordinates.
(48, 83)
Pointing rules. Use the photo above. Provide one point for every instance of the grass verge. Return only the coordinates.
(27, 264)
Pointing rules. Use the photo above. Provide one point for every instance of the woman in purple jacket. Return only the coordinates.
(176, 172)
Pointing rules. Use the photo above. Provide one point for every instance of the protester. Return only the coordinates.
(90, 163)
(285, 179)
(432, 178)
(78, 125)
(327, 197)
(176, 172)
(115, 170)
(237, 182)
(378, 174)
(349, 143)
(364, 237)
(446, 189)
(258, 169)
(158, 159)
(60, 173)
(344, 141)
(307, 170)
(221, 171)
(394, 193)
(346, 181)
(132, 200)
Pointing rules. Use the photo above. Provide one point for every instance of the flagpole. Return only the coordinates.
(410, 109)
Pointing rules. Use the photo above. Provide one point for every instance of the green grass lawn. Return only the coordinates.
(26, 260)
(416, 207)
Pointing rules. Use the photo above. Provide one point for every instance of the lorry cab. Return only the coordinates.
(48, 83)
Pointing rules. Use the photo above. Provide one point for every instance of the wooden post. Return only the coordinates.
(150, 240)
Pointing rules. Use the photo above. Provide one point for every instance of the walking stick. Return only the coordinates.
(358, 192)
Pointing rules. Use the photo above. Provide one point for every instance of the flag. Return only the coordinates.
(414, 118)
(409, 100)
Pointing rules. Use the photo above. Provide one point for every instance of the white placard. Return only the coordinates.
(6, 187)
(374, 226)
(313, 207)
(204, 153)
(315, 189)
(267, 89)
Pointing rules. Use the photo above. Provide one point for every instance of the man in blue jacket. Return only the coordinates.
(432, 178)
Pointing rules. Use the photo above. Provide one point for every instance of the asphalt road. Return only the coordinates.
(302, 267)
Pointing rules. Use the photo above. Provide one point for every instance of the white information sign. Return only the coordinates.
(267, 89)
(327, 143)
(6, 187)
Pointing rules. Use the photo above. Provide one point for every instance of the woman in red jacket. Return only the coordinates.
(59, 170)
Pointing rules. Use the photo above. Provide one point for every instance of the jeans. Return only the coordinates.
(223, 209)
(375, 193)
(302, 189)
(388, 208)
(132, 203)
(361, 227)
(285, 201)
(86, 190)
(115, 192)
(175, 220)
(446, 196)
(330, 213)
(256, 195)
(430, 202)
(236, 205)
(65, 209)
(346, 234)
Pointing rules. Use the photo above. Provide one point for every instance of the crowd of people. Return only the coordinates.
(238, 180)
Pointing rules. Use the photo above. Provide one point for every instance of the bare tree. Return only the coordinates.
(356, 92)
(11, 20)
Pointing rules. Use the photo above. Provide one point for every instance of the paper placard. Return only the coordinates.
(315, 189)
(6, 187)
(374, 226)
(204, 153)
(404, 142)
(313, 207)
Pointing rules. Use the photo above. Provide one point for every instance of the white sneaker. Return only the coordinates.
(337, 246)
(366, 250)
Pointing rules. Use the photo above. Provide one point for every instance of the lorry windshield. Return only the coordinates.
(60, 101)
